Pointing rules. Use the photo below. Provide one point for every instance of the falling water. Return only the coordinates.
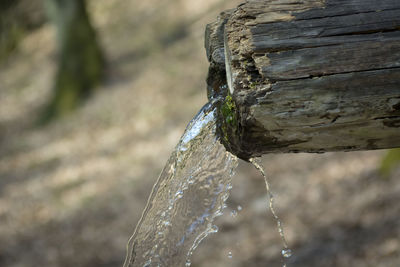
(190, 192)
(286, 251)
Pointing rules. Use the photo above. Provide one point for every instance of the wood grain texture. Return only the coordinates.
(314, 76)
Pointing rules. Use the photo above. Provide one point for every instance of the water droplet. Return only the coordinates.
(234, 213)
(286, 252)
(214, 229)
(230, 255)
(239, 208)
(188, 263)
(179, 195)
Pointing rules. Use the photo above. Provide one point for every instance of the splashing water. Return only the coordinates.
(189, 193)
(286, 251)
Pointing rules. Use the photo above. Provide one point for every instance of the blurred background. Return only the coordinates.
(94, 96)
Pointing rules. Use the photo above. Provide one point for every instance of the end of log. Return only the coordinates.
(307, 76)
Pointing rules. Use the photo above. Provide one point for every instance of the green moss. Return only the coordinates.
(228, 110)
(390, 161)
(253, 85)
(229, 115)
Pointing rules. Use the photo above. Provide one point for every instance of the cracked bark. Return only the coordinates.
(310, 76)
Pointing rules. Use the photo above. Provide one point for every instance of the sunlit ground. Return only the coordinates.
(71, 192)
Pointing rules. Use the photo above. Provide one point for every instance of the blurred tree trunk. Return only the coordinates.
(80, 61)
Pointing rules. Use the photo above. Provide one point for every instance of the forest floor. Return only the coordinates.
(71, 192)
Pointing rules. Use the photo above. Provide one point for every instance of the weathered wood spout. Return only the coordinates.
(307, 76)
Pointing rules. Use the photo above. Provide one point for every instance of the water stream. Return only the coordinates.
(189, 193)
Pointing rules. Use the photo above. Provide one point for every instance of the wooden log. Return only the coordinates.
(310, 76)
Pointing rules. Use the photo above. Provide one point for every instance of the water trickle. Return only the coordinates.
(286, 251)
(189, 193)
